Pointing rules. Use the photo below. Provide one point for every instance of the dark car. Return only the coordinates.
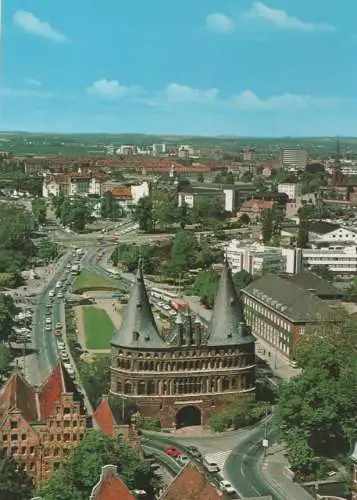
(194, 452)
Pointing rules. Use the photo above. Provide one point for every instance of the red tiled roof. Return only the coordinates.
(51, 392)
(17, 393)
(259, 204)
(122, 192)
(111, 487)
(104, 417)
(191, 484)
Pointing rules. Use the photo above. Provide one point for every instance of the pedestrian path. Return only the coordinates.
(219, 458)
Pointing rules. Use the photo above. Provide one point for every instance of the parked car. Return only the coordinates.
(172, 452)
(195, 452)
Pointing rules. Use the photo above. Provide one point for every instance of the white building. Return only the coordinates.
(71, 185)
(139, 191)
(293, 190)
(227, 196)
(254, 258)
(339, 259)
(337, 235)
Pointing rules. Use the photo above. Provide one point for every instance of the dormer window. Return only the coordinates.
(136, 336)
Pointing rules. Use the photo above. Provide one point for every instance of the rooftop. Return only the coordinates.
(313, 283)
(110, 486)
(295, 303)
(191, 484)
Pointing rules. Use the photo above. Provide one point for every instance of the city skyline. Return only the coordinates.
(244, 68)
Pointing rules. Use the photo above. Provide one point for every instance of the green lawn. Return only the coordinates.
(99, 328)
(89, 281)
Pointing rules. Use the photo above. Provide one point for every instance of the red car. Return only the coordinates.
(172, 452)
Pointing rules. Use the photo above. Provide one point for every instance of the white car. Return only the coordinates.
(227, 487)
(183, 459)
(60, 295)
(51, 294)
(61, 345)
(48, 321)
(48, 328)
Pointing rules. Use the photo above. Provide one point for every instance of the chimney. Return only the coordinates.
(198, 331)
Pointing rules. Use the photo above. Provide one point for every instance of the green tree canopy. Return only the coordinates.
(8, 310)
(206, 286)
(15, 484)
(76, 478)
(144, 214)
(317, 410)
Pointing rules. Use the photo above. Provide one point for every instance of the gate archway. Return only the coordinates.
(187, 416)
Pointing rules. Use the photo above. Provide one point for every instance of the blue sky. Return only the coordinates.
(208, 67)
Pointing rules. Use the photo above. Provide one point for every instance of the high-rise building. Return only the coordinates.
(294, 158)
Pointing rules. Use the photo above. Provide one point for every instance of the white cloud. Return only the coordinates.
(111, 89)
(28, 22)
(176, 93)
(249, 100)
(219, 23)
(282, 20)
(33, 82)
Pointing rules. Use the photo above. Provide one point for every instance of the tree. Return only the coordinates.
(206, 286)
(15, 484)
(110, 208)
(75, 479)
(47, 250)
(323, 271)
(267, 225)
(5, 361)
(143, 214)
(351, 291)
(241, 279)
(200, 178)
(245, 219)
(39, 209)
(183, 252)
(317, 410)
(96, 378)
(8, 310)
(302, 236)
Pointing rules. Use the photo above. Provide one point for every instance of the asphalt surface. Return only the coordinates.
(243, 465)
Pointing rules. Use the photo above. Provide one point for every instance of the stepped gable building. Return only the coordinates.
(39, 427)
(184, 379)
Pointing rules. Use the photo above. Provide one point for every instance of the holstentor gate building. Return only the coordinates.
(185, 378)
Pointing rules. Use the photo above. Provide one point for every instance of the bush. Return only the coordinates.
(241, 415)
(150, 424)
(221, 421)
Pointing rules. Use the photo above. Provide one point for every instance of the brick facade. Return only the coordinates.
(40, 440)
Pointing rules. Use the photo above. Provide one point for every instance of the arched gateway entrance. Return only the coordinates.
(187, 416)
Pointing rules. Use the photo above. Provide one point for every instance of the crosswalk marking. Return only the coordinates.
(219, 458)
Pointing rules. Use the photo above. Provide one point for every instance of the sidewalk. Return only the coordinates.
(274, 469)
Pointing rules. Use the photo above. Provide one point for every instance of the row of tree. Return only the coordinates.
(317, 410)
(169, 258)
(161, 212)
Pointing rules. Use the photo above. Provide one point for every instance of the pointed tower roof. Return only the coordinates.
(138, 328)
(227, 325)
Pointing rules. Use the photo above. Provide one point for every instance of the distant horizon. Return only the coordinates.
(185, 135)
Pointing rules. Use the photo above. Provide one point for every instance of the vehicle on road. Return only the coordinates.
(195, 452)
(116, 295)
(58, 326)
(172, 452)
(227, 487)
(49, 305)
(48, 328)
(51, 293)
(48, 320)
(183, 459)
(210, 465)
(60, 295)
